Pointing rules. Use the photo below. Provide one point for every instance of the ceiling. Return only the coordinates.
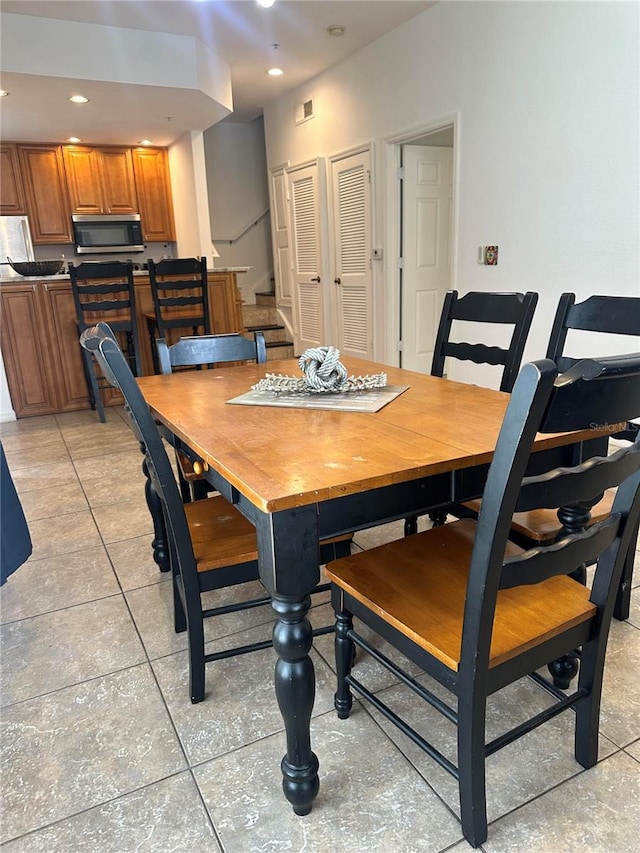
(240, 32)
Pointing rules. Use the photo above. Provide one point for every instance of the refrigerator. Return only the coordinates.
(15, 243)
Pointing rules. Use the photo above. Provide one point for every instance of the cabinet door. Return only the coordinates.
(118, 181)
(58, 306)
(12, 198)
(153, 188)
(82, 166)
(45, 190)
(25, 344)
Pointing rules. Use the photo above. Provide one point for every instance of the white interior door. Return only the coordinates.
(280, 233)
(427, 189)
(351, 287)
(305, 219)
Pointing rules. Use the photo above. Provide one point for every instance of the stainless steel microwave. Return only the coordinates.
(100, 234)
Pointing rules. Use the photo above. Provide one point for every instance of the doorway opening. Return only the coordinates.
(426, 207)
(422, 186)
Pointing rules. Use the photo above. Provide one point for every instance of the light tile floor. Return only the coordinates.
(103, 751)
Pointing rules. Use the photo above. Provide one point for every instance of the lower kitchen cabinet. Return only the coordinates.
(26, 350)
(40, 347)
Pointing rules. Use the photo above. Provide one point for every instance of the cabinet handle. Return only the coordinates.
(337, 280)
(316, 278)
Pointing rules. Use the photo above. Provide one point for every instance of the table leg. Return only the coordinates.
(289, 558)
(295, 691)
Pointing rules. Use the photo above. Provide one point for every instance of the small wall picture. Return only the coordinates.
(491, 256)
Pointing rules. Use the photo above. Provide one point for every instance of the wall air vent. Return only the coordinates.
(304, 111)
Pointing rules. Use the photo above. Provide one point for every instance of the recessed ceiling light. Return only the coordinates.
(79, 99)
(336, 30)
(145, 142)
(266, 4)
(275, 72)
(4, 93)
(74, 139)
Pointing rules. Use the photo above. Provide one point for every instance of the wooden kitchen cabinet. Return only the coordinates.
(45, 188)
(26, 350)
(12, 197)
(153, 188)
(40, 346)
(100, 180)
(59, 309)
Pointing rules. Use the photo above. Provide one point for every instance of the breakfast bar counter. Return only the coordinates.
(39, 337)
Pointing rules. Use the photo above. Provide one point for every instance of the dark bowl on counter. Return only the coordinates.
(37, 267)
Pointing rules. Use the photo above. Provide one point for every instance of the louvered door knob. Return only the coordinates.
(316, 278)
(337, 281)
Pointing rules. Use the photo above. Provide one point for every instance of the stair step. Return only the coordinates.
(271, 333)
(266, 298)
(279, 349)
(258, 316)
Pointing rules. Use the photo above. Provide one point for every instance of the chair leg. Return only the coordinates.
(95, 398)
(345, 649)
(588, 711)
(438, 517)
(196, 661)
(471, 768)
(411, 525)
(623, 597)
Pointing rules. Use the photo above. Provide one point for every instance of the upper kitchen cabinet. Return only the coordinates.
(100, 180)
(153, 187)
(43, 177)
(12, 198)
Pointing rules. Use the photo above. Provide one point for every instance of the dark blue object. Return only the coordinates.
(15, 541)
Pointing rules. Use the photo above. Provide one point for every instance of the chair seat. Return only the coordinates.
(222, 536)
(418, 585)
(542, 525)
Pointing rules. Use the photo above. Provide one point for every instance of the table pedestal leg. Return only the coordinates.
(295, 691)
(159, 542)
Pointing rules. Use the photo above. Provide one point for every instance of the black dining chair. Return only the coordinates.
(476, 612)
(601, 315)
(204, 351)
(211, 544)
(104, 291)
(504, 309)
(180, 293)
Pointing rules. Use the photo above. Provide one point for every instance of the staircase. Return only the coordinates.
(262, 317)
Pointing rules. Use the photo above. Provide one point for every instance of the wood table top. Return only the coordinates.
(281, 458)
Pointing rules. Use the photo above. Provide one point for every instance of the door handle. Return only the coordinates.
(337, 280)
(316, 278)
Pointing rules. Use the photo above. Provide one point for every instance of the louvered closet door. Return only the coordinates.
(351, 236)
(304, 205)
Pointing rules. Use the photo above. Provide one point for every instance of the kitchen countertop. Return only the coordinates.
(65, 276)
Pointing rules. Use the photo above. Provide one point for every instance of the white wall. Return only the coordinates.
(190, 198)
(547, 97)
(238, 198)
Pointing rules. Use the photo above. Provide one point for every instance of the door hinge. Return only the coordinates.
(401, 173)
(400, 263)
(400, 346)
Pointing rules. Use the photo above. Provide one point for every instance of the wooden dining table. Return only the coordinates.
(302, 474)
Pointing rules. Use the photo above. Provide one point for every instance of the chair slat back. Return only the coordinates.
(611, 315)
(210, 349)
(107, 288)
(101, 341)
(543, 402)
(179, 288)
(514, 309)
